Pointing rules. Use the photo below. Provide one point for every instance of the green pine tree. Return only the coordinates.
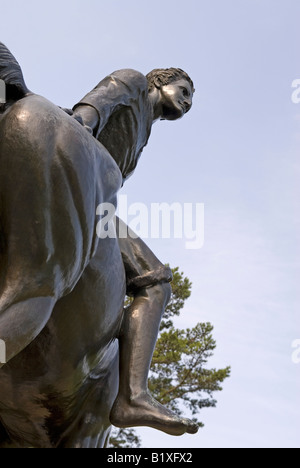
(179, 378)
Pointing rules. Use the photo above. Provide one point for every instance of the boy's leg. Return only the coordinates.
(134, 405)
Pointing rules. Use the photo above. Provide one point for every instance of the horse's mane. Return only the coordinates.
(11, 74)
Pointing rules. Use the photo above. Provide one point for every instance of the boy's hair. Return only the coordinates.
(164, 76)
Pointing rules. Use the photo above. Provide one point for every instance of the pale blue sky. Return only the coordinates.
(237, 152)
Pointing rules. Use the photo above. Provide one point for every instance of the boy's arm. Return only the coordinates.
(119, 89)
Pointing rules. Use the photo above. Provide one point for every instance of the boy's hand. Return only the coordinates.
(78, 118)
(67, 111)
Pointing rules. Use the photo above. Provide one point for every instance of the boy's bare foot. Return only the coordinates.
(144, 410)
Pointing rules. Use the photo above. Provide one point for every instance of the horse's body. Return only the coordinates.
(59, 389)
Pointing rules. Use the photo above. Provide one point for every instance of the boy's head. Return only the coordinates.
(165, 76)
(175, 89)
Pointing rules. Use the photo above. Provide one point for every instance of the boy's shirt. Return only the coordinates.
(125, 116)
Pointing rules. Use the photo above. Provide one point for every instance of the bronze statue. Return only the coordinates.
(76, 361)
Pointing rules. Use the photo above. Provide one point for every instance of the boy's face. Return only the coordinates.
(176, 99)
